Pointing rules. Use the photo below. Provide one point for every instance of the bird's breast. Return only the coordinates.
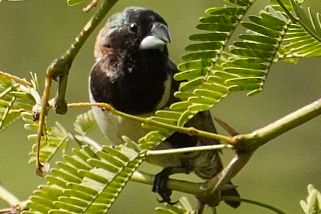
(114, 127)
(133, 86)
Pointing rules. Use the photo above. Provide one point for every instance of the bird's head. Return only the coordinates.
(134, 28)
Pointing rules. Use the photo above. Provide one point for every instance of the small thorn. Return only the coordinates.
(226, 127)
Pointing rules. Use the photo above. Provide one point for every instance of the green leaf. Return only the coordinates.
(302, 39)
(54, 140)
(211, 70)
(93, 179)
(85, 123)
(15, 98)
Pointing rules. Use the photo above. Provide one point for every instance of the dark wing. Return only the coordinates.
(175, 84)
(206, 164)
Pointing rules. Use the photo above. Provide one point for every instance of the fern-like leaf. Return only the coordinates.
(302, 40)
(253, 56)
(87, 181)
(14, 99)
(311, 20)
(200, 90)
(54, 140)
(91, 179)
(56, 137)
(85, 123)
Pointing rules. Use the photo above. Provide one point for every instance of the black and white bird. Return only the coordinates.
(134, 74)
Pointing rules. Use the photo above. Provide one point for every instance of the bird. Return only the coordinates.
(133, 73)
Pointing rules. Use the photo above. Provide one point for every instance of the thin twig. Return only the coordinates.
(188, 149)
(15, 209)
(8, 196)
(85, 140)
(263, 205)
(12, 111)
(16, 78)
(174, 184)
(261, 136)
(226, 127)
(41, 124)
(293, 19)
(194, 189)
(185, 130)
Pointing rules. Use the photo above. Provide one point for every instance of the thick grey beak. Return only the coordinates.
(157, 39)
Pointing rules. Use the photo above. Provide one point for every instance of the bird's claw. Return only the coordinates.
(159, 186)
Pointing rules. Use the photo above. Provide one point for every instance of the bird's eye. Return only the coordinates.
(133, 27)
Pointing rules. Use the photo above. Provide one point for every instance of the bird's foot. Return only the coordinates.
(160, 183)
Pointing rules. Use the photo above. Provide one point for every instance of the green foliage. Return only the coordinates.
(91, 178)
(302, 39)
(14, 99)
(311, 21)
(85, 123)
(56, 137)
(87, 181)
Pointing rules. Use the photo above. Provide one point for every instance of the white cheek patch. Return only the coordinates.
(167, 92)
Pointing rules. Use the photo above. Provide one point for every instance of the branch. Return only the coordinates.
(193, 188)
(185, 130)
(8, 196)
(59, 70)
(263, 135)
(263, 205)
(16, 205)
(16, 79)
(188, 149)
(244, 144)
(178, 185)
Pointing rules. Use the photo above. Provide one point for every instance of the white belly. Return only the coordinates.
(114, 127)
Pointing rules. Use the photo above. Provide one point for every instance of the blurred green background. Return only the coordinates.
(34, 32)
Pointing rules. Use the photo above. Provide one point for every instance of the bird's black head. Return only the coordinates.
(135, 29)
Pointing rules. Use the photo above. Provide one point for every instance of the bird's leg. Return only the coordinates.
(160, 182)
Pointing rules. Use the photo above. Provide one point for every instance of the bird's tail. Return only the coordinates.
(231, 192)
